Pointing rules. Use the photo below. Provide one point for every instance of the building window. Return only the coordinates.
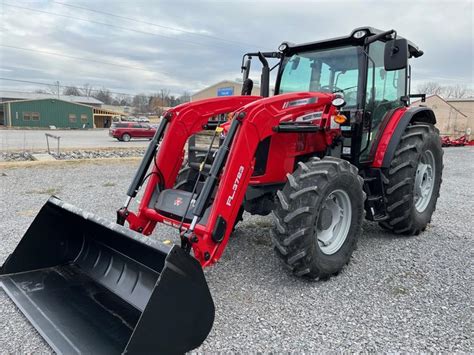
(72, 118)
(26, 116)
(84, 118)
(35, 116)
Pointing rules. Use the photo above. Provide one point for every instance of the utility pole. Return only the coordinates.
(57, 83)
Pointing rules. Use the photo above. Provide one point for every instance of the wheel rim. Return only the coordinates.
(334, 222)
(126, 137)
(424, 181)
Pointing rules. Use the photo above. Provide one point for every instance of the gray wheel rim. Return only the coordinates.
(332, 237)
(126, 137)
(424, 181)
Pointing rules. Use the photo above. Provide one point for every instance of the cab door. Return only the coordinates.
(383, 94)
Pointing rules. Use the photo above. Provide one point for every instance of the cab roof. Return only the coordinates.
(347, 40)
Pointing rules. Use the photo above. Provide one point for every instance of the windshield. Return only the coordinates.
(330, 70)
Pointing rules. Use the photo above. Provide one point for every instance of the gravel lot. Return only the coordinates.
(398, 294)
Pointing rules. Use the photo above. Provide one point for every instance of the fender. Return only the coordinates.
(393, 131)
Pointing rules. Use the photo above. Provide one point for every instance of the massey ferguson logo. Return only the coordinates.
(178, 201)
(235, 186)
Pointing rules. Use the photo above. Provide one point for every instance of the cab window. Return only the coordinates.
(384, 90)
(328, 70)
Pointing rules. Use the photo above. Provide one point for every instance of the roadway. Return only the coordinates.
(35, 140)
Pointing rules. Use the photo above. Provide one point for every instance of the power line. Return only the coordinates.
(70, 86)
(106, 24)
(154, 24)
(77, 58)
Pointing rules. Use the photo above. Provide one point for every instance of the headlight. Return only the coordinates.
(360, 34)
(338, 102)
(283, 47)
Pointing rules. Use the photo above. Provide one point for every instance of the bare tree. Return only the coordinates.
(164, 97)
(140, 102)
(457, 91)
(72, 91)
(121, 100)
(87, 90)
(103, 95)
(185, 97)
(430, 88)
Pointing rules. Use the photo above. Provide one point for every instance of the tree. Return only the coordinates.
(87, 90)
(164, 97)
(122, 100)
(430, 88)
(185, 97)
(457, 91)
(103, 95)
(140, 103)
(72, 91)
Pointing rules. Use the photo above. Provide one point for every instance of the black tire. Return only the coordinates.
(297, 214)
(126, 137)
(400, 180)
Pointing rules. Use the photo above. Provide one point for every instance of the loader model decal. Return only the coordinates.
(235, 186)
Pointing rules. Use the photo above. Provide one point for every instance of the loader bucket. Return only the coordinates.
(93, 286)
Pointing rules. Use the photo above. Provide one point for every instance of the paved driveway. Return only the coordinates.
(28, 140)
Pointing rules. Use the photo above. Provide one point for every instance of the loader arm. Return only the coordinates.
(184, 121)
(257, 121)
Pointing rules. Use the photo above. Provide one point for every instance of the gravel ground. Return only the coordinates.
(398, 294)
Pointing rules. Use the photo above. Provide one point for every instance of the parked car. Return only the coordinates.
(124, 131)
(143, 119)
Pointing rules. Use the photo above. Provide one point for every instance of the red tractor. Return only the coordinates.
(337, 142)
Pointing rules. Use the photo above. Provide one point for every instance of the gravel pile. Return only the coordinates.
(398, 294)
(75, 154)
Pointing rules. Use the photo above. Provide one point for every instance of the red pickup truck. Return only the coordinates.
(124, 131)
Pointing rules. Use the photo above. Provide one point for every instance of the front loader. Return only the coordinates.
(337, 141)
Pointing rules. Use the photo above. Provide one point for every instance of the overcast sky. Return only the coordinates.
(187, 45)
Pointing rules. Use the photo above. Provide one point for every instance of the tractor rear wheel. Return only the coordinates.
(318, 217)
(413, 180)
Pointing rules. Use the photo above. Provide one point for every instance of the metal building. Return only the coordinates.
(46, 113)
(222, 88)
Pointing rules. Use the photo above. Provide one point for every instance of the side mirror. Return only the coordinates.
(396, 54)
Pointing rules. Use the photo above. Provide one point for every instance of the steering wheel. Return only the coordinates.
(328, 88)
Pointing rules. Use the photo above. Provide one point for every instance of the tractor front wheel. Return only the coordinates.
(413, 180)
(318, 218)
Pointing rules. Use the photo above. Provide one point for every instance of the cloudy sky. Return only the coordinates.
(143, 46)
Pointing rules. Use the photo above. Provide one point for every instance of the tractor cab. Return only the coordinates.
(368, 69)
